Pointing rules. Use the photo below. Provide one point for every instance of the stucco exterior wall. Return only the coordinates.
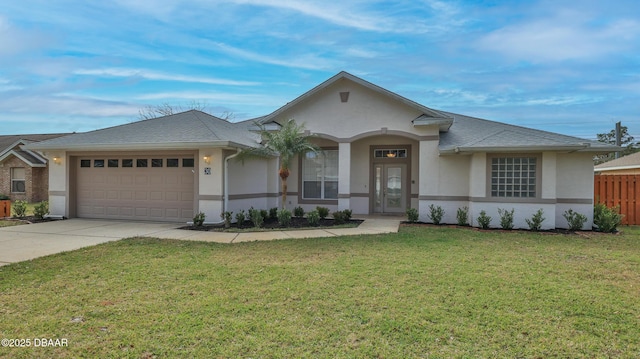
(365, 110)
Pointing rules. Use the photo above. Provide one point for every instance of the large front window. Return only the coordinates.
(513, 177)
(320, 175)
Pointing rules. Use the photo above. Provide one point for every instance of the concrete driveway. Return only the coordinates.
(29, 241)
(24, 242)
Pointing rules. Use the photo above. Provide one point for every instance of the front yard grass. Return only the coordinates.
(423, 292)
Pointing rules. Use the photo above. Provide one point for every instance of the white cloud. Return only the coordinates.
(153, 75)
(218, 97)
(567, 36)
(306, 61)
(14, 40)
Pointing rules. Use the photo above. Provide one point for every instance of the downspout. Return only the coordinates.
(226, 179)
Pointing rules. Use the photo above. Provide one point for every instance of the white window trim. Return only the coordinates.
(322, 180)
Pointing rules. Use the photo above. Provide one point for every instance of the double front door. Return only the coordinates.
(389, 188)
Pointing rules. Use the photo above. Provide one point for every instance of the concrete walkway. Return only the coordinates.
(24, 242)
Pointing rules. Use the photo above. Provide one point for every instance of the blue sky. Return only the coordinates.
(564, 66)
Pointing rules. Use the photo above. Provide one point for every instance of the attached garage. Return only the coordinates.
(152, 187)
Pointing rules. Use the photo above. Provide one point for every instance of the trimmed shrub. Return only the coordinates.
(41, 209)
(226, 217)
(606, 219)
(273, 213)
(323, 212)
(338, 217)
(255, 215)
(198, 219)
(313, 218)
(412, 215)
(575, 220)
(535, 223)
(264, 213)
(19, 208)
(436, 213)
(506, 218)
(462, 215)
(240, 218)
(483, 220)
(284, 217)
(347, 214)
(298, 212)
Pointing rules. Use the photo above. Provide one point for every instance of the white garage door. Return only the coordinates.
(153, 188)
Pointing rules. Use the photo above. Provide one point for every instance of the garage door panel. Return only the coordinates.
(126, 195)
(160, 193)
(142, 180)
(126, 180)
(171, 195)
(187, 196)
(113, 195)
(172, 213)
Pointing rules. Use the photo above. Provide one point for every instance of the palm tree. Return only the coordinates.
(286, 143)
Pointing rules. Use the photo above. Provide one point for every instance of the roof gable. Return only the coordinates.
(427, 114)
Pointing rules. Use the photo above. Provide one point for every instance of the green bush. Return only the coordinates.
(347, 214)
(198, 219)
(575, 220)
(298, 212)
(506, 218)
(226, 217)
(255, 216)
(463, 216)
(273, 213)
(436, 213)
(535, 223)
(412, 215)
(606, 219)
(240, 218)
(284, 217)
(483, 220)
(323, 212)
(264, 213)
(313, 218)
(41, 209)
(338, 217)
(19, 208)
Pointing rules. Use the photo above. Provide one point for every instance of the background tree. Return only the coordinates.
(288, 142)
(626, 142)
(154, 111)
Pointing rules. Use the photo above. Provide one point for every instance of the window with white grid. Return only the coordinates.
(513, 177)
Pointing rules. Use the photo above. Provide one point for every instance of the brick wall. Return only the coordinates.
(36, 181)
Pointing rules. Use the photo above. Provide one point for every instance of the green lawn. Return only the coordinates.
(424, 292)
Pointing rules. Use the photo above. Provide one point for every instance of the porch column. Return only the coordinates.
(429, 175)
(210, 183)
(344, 176)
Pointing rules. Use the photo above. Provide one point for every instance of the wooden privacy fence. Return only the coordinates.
(620, 190)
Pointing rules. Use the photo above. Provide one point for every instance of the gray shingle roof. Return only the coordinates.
(190, 129)
(628, 161)
(469, 134)
(10, 140)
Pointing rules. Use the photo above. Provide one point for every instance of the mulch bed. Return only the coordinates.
(296, 223)
(545, 231)
(28, 219)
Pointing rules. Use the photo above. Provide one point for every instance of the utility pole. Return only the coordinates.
(618, 137)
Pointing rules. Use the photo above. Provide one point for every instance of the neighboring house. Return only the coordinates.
(23, 173)
(627, 165)
(382, 153)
